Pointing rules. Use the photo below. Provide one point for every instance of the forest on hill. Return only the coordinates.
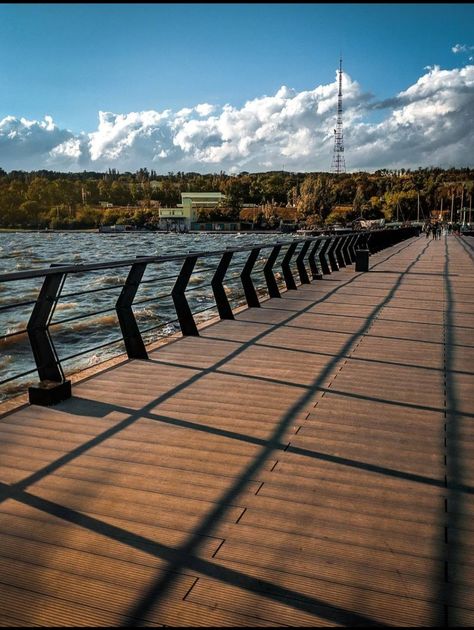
(57, 200)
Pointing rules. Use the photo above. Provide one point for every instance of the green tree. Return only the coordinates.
(120, 193)
(317, 197)
(38, 192)
(234, 199)
(29, 213)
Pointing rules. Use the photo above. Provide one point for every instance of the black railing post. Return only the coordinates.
(338, 252)
(300, 263)
(249, 289)
(128, 324)
(371, 248)
(312, 261)
(185, 316)
(272, 285)
(285, 265)
(349, 250)
(375, 242)
(53, 386)
(353, 246)
(323, 256)
(331, 255)
(345, 249)
(222, 303)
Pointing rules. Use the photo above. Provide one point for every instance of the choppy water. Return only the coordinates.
(155, 315)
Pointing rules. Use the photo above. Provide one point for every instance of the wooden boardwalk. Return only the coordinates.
(309, 464)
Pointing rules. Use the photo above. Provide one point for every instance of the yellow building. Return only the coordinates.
(186, 212)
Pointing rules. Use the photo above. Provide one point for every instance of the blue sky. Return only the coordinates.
(70, 62)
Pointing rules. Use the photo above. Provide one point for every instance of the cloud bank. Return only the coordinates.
(431, 123)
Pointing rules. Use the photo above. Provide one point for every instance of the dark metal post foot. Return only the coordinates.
(48, 393)
(362, 260)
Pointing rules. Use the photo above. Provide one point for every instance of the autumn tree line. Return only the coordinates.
(56, 200)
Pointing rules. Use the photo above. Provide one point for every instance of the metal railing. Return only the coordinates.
(306, 258)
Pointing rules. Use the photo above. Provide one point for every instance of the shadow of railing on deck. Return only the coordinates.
(455, 460)
(164, 582)
(186, 555)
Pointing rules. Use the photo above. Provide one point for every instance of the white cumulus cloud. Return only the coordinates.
(431, 122)
(204, 109)
(25, 144)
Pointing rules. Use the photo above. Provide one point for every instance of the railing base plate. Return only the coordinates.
(48, 393)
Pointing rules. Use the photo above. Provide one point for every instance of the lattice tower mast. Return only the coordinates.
(338, 159)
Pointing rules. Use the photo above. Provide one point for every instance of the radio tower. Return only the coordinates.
(338, 160)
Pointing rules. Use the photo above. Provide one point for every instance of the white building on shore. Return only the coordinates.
(186, 212)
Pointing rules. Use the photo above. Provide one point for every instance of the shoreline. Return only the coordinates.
(30, 231)
(96, 231)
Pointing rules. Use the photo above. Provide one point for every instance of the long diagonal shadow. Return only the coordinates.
(86, 446)
(373, 336)
(469, 248)
(415, 366)
(185, 556)
(209, 523)
(310, 453)
(455, 464)
(344, 393)
(174, 557)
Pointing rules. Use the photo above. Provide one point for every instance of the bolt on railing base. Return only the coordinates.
(48, 393)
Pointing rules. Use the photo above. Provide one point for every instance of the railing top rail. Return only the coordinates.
(113, 264)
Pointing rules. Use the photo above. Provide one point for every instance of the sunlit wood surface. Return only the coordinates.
(309, 464)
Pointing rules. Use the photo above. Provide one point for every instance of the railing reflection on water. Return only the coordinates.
(191, 287)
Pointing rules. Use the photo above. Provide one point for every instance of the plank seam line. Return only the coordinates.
(214, 554)
(190, 588)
